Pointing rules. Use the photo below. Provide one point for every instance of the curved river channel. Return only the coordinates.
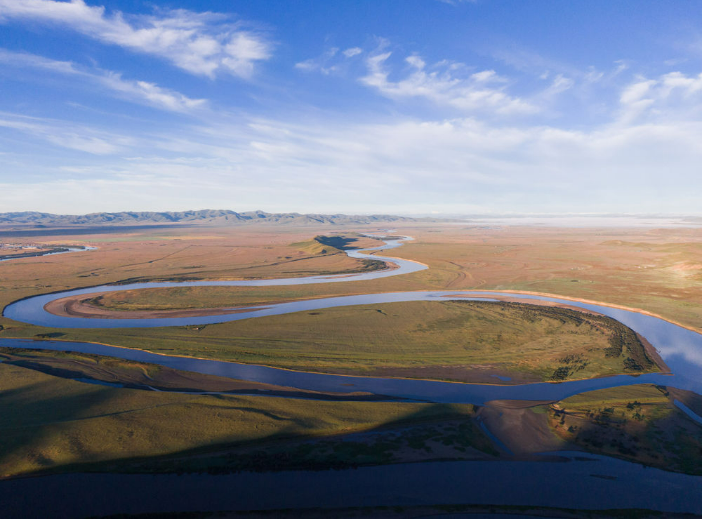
(680, 348)
(581, 480)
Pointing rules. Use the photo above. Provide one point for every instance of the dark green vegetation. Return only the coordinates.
(637, 423)
(51, 424)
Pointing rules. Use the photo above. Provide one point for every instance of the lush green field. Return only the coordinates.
(53, 424)
(454, 340)
(638, 423)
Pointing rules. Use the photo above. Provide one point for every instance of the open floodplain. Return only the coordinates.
(575, 373)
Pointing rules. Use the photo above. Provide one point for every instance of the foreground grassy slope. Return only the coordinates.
(54, 424)
(454, 340)
(638, 423)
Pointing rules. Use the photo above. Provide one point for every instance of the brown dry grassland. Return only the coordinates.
(657, 270)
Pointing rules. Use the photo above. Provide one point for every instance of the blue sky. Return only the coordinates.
(405, 106)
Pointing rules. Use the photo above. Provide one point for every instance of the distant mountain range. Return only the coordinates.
(219, 217)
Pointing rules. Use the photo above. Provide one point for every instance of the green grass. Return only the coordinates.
(54, 424)
(639, 423)
(419, 339)
(616, 396)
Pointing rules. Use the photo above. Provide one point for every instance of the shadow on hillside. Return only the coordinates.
(338, 242)
(418, 433)
(442, 426)
(29, 409)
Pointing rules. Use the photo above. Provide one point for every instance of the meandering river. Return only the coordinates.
(584, 481)
(46, 253)
(680, 348)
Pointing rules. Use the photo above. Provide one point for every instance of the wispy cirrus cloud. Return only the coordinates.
(440, 83)
(141, 92)
(321, 63)
(293, 165)
(200, 43)
(67, 135)
(663, 97)
(352, 51)
(330, 61)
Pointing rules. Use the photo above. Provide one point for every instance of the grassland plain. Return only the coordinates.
(655, 270)
(467, 341)
(638, 423)
(51, 424)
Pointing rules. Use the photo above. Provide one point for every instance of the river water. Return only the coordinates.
(573, 480)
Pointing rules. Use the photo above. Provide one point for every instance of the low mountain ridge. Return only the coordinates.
(217, 216)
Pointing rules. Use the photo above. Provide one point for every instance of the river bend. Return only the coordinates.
(679, 348)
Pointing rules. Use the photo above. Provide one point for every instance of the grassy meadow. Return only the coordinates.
(51, 424)
(465, 341)
(639, 423)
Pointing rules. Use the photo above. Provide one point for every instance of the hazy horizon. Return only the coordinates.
(414, 107)
(566, 220)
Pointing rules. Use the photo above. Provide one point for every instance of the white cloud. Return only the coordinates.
(200, 43)
(150, 93)
(415, 61)
(444, 88)
(655, 99)
(320, 64)
(593, 75)
(487, 75)
(351, 52)
(137, 91)
(410, 166)
(560, 84)
(67, 135)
